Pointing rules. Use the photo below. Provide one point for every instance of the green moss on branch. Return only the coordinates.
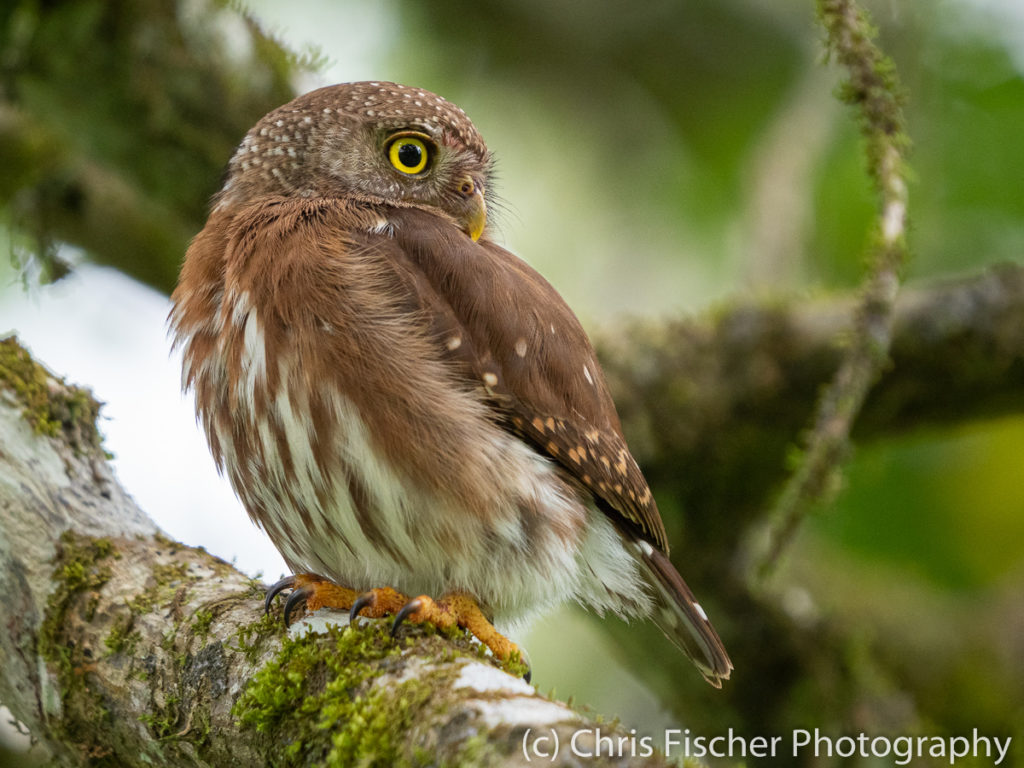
(316, 703)
(48, 403)
(81, 568)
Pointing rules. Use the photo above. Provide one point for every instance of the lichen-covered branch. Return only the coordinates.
(873, 88)
(121, 647)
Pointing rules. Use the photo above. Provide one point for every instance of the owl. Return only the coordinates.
(413, 415)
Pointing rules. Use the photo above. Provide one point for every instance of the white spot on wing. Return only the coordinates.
(382, 227)
(586, 373)
(700, 610)
(521, 347)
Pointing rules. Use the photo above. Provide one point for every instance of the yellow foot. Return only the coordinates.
(315, 592)
(455, 609)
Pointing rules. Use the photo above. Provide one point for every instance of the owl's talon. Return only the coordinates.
(407, 610)
(296, 599)
(453, 610)
(458, 610)
(314, 591)
(365, 600)
(286, 583)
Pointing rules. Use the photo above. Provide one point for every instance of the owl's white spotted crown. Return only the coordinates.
(283, 149)
(390, 106)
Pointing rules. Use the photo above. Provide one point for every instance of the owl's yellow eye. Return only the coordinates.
(409, 154)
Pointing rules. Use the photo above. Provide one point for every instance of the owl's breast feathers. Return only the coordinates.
(398, 307)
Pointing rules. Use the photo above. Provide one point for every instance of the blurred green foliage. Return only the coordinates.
(116, 119)
(946, 506)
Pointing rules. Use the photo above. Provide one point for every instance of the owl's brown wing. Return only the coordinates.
(512, 332)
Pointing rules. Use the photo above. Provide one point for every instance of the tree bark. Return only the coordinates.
(119, 646)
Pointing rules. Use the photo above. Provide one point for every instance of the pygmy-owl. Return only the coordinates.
(401, 404)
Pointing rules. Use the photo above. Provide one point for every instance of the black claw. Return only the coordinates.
(525, 659)
(361, 602)
(411, 607)
(295, 599)
(274, 591)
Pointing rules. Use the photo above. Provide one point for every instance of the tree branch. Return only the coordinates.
(82, 202)
(118, 642)
(713, 405)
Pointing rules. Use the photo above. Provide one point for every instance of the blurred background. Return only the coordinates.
(656, 160)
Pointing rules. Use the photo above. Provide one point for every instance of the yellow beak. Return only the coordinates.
(474, 209)
(476, 215)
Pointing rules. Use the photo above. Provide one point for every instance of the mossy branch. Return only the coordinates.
(712, 405)
(122, 647)
(873, 88)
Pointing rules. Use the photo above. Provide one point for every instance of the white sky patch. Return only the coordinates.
(1001, 19)
(105, 331)
(355, 37)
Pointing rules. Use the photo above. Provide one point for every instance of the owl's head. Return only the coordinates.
(376, 141)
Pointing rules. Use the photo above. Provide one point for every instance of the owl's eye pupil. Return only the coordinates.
(409, 154)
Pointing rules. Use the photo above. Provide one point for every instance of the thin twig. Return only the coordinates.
(873, 88)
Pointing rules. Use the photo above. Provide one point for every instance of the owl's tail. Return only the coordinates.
(678, 614)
